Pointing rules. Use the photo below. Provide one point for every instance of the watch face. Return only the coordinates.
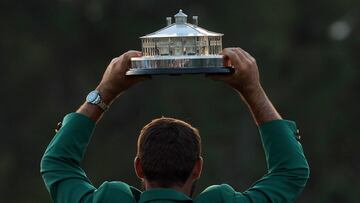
(92, 97)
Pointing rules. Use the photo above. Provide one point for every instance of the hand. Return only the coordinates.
(245, 78)
(114, 80)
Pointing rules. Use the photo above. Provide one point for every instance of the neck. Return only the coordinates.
(187, 188)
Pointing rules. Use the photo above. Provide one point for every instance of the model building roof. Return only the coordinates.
(181, 29)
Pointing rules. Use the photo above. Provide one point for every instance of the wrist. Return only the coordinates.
(91, 111)
(260, 106)
(250, 91)
(107, 95)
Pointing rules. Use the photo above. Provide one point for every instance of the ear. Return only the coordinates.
(138, 168)
(196, 173)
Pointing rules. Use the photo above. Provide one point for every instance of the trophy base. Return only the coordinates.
(177, 65)
(179, 71)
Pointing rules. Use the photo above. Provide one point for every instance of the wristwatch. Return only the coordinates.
(94, 98)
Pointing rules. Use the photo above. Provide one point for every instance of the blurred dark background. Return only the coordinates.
(54, 52)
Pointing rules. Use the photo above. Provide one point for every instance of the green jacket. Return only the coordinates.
(66, 181)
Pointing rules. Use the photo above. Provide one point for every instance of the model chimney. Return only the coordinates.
(195, 20)
(168, 21)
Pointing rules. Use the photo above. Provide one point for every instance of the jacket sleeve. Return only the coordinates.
(60, 164)
(288, 170)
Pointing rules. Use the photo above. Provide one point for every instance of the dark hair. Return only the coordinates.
(168, 149)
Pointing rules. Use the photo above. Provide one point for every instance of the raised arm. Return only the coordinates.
(288, 170)
(113, 83)
(60, 165)
(247, 82)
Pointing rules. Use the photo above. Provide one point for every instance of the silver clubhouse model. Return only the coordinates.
(180, 48)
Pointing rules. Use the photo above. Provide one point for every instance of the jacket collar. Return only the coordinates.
(163, 194)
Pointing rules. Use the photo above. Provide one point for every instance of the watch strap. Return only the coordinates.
(103, 106)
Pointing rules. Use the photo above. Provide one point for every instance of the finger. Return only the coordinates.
(226, 61)
(242, 56)
(114, 60)
(134, 52)
(126, 59)
(130, 54)
(251, 58)
(235, 60)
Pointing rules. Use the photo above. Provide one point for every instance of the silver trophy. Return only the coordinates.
(180, 48)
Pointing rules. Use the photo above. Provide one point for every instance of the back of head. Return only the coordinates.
(168, 149)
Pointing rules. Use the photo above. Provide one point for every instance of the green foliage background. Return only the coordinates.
(54, 52)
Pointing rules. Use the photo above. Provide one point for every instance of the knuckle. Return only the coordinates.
(249, 65)
(253, 61)
(225, 50)
(129, 54)
(120, 58)
(114, 60)
(126, 54)
(124, 57)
